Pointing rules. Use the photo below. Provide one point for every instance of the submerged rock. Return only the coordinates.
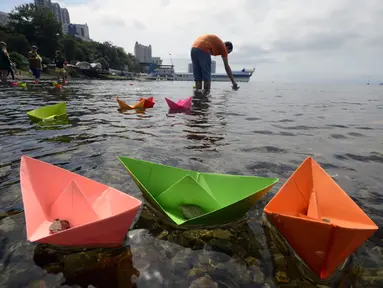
(203, 282)
(191, 211)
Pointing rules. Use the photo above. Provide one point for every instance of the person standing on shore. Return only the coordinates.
(201, 51)
(11, 70)
(5, 61)
(59, 60)
(35, 63)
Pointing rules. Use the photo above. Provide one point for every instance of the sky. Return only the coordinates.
(294, 40)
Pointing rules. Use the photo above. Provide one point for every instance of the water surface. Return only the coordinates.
(262, 129)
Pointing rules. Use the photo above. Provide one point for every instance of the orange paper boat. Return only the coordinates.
(142, 104)
(98, 215)
(318, 219)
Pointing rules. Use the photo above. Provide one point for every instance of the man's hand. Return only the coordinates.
(235, 86)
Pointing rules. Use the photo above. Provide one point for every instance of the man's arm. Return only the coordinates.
(228, 70)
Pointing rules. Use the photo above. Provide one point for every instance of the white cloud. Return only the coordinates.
(292, 39)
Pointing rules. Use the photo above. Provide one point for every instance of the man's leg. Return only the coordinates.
(206, 70)
(196, 68)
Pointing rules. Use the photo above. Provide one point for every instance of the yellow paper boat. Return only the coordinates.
(124, 106)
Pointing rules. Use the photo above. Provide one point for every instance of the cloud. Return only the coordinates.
(165, 3)
(297, 38)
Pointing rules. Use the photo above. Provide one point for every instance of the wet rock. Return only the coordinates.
(206, 235)
(203, 282)
(304, 284)
(282, 277)
(279, 260)
(182, 262)
(195, 273)
(163, 235)
(257, 274)
(179, 239)
(235, 271)
(37, 284)
(7, 225)
(372, 277)
(100, 267)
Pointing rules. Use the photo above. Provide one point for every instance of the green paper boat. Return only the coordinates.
(48, 113)
(222, 197)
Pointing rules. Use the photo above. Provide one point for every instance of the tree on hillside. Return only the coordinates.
(39, 26)
(15, 42)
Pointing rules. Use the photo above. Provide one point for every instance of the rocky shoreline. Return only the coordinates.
(158, 255)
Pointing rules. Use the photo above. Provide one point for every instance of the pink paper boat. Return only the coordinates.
(181, 104)
(98, 215)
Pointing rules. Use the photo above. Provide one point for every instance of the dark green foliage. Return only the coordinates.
(35, 26)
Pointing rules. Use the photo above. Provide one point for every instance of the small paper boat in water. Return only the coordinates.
(181, 104)
(142, 104)
(98, 215)
(149, 102)
(222, 198)
(48, 112)
(321, 223)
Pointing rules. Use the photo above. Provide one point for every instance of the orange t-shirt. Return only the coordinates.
(211, 44)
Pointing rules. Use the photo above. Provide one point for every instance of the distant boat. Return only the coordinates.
(167, 73)
(381, 83)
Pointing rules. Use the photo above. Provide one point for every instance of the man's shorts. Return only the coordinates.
(36, 72)
(60, 70)
(201, 64)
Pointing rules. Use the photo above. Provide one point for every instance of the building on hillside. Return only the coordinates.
(56, 9)
(43, 3)
(4, 18)
(143, 53)
(61, 14)
(213, 67)
(65, 16)
(77, 30)
(157, 60)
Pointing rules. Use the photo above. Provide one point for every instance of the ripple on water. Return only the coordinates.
(265, 149)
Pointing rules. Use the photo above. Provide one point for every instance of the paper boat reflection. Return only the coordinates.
(99, 216)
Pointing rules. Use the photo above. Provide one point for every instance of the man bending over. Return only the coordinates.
(201, 51)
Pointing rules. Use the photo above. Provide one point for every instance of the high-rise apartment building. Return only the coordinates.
(143, 53)
(61, 14)
(4, 18)
(65, 16)
(43, 3)
(78, 30)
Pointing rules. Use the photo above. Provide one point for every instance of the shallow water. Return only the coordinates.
(262, 129)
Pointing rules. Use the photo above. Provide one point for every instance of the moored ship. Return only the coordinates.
(167, 73)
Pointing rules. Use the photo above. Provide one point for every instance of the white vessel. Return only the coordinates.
(239, 76)
(167, 73)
